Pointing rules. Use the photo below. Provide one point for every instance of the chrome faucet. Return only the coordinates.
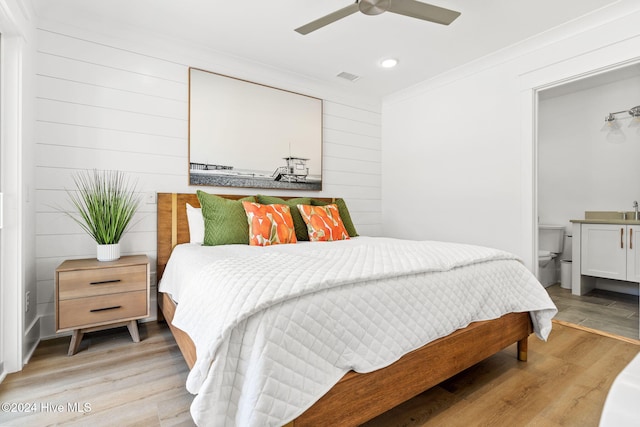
(635, 209)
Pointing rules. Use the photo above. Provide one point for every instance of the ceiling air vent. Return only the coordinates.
(348, 76)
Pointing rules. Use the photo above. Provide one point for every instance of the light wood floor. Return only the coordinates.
(126, 383)
(564, 383)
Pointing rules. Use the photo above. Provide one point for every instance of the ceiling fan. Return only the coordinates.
(411, 8)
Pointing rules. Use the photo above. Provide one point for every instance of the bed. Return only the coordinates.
(358, 397)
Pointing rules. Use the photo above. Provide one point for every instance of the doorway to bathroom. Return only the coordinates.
(582, 166)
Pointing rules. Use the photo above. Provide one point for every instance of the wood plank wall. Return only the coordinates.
(112, 102)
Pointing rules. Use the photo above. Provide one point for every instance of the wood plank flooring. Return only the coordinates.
(564, 383)
(607, 311)
(125, 383)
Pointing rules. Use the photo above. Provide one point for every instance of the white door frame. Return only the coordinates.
(11, 280)
(597, 61)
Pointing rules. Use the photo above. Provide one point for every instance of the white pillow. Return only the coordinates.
(196, 224)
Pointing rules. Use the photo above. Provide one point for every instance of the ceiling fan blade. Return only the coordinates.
(326, 20)
(424, 11)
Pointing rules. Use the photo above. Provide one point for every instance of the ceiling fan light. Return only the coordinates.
(388, 63)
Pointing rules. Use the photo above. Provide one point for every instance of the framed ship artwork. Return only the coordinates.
(244, 134)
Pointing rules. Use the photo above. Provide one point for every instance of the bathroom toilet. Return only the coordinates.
(550, 245)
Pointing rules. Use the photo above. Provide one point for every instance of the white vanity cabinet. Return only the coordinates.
(633, 253)
(611, 251)
(605, 248)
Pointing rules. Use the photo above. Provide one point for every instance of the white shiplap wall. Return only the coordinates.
(108, 102)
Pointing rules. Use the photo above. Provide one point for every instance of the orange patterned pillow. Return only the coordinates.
(269, 224)
(323, 223)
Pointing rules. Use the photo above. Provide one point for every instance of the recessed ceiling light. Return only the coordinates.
(388, 63)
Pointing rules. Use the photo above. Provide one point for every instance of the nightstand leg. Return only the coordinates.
(133, 330)
(75, 342)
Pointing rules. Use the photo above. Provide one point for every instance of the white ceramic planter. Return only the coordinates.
(108, 252)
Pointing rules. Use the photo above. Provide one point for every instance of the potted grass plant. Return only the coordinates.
(104, 202)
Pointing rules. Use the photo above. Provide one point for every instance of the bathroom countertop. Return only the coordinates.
(607, 217)
(606, 221)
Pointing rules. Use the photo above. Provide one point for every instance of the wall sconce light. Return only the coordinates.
(610, 120)
(610, 124)
(635, 117)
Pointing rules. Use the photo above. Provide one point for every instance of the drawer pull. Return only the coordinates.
(95, 310)
(105, 282)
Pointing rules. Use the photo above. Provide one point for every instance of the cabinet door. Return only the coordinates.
(604, 251)
(633, 253)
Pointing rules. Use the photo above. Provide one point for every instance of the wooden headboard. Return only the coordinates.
(173, 227)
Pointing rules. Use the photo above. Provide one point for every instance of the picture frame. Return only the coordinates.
(245, 134)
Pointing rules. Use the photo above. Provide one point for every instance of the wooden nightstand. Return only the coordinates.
(92, 295)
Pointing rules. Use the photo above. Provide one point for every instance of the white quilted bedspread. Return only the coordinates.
(275, 328)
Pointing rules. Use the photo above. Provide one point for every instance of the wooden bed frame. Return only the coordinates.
(357, 398)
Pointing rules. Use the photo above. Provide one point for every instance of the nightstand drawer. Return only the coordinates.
(82, 312)
(92, 282)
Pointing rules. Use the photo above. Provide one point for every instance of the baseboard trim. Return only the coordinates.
(31, 340)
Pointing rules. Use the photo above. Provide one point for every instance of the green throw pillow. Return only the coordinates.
(344, 214)
(225, 221)
(298, 222)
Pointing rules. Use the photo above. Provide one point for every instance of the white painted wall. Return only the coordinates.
(446, 163)
(458, 150)
(110, 98)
